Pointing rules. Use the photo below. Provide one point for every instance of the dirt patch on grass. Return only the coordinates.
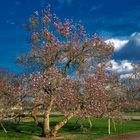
(129, 136)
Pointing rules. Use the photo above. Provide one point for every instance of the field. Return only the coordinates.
(27, 130)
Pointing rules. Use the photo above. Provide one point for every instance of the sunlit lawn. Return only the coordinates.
(27, 130)
(132, 113)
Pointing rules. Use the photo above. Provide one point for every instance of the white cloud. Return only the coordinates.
(118, 43)
(136, 38)
(123, 76)
(122, 67)
(129, 50)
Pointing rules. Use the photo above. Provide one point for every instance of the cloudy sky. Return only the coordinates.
(117, 21)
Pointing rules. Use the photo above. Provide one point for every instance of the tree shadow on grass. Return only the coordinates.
(73, 128)
(22, 128)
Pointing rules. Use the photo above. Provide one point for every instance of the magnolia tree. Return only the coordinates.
(9, 97)
(132, 83)
(69, 70)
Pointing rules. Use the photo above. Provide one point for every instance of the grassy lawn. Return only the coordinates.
(132, 113)
(26, 129)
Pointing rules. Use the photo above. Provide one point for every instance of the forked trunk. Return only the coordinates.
(46, 123)
(46, 126)
(63, 122)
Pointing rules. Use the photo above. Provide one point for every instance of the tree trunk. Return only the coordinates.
(114, 125)
(90, 123)
(63, 122)
(46, 123)
(109, 126)
(35, 111)
(3, 127)
(35, 119)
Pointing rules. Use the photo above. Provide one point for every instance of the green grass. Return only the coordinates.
(132, 113)
(26, 129)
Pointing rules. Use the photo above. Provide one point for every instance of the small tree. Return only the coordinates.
(132, 83)
(9, 97)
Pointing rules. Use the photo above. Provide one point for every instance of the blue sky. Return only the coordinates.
(115, 20)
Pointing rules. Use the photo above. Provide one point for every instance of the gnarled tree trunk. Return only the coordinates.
(46, 123)
(63, 122)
